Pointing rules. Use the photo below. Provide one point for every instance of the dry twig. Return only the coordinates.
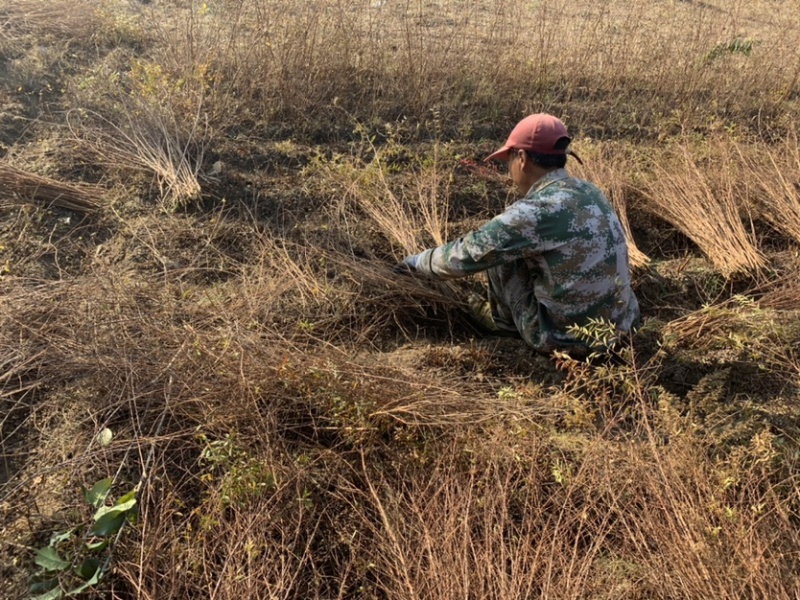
(80, 198)
(703, 203)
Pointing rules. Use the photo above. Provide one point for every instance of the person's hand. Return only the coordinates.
(407, 266)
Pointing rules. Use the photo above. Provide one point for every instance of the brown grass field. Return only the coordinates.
(200, 205)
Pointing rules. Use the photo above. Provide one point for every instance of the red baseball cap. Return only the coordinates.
(540, 133)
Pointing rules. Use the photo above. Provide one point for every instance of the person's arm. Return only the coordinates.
(498, 241)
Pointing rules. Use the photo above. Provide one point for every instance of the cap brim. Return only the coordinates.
(501, 154)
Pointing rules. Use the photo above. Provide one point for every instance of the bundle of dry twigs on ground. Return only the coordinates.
(703, 328)
(783, 294)
(777, 191)
(702, 201)
(20, 184)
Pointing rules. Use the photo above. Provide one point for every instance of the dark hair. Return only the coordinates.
(548, 161)
(553, 161)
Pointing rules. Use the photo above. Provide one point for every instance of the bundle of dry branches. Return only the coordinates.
(700, 329)
(742, 325)
(702, 202)
(409, 219)
(49, 192)
(778, 190)
(303, 288)
(783, 294)
(157, 141)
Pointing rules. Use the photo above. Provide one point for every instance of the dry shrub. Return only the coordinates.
(707, 327)
(155, 143)
(272, 461)
(464, 530)
(212, 415)
(130, 113)
(704, 200)
(278, 452)
(152, 420)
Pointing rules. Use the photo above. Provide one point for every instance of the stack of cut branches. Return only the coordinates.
(782, 294)
(22, 185)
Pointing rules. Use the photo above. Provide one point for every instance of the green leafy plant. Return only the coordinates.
(77, 559)
(735, 46)
(238, 476)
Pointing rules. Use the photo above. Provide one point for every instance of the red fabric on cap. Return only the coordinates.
(537, 133)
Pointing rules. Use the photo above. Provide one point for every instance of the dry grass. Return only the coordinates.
(289, 67)
(329, 475)
(527, 523)
(75, 20)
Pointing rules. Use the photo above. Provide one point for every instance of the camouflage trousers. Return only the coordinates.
(515, 309)
(512, 301)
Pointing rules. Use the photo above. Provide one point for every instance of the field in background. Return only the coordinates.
(200, 204)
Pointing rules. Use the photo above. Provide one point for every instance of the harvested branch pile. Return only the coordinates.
(782, 295)
(703, 203)
(46, 191)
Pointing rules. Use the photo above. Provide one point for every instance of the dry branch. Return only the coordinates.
(45, 191)
(703, 202)
(777, 186)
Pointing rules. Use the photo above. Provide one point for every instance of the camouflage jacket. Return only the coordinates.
(565, 240)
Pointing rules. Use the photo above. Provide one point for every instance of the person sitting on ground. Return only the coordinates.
(555, 259)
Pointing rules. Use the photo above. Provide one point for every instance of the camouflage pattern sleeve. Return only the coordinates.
(497, 242)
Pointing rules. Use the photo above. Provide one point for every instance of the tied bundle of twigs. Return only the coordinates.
(46, 191)
(778, 192)
(701, 328)
(702, 202)
(781, 294)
